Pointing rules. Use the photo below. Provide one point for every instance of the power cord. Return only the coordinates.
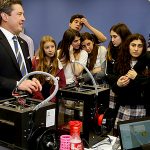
(40, 104)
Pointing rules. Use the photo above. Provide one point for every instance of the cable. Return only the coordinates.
(93, 80)
(50, 97)
(101, 143)
(85, 142)
(94, 83)
(73, 61)
(43, 102)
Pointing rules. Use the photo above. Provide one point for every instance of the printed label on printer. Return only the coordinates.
(50, 117)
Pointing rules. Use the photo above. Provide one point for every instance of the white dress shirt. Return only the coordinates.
(9, 37)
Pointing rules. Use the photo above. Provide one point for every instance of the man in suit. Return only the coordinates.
(11, 23)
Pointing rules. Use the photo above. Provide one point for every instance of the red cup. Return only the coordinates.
(73, 124)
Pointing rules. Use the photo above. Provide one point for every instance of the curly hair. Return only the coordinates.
(122, 63)
(123, 31)
(43, 64)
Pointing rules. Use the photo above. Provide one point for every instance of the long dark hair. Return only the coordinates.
(68, 38)
(93, 54)
(122, 63)
(123, 31)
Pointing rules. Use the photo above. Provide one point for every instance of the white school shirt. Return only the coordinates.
(101, 56)
(68, 70)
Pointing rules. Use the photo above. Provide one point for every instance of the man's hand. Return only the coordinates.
(38, 83)
(30, 85)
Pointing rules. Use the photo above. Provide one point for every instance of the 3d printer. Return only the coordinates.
(78, 105)
(16, 124)
(82, 103)
(23, 128)
(26, 123)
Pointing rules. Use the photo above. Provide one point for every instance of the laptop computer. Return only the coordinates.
(135, 134)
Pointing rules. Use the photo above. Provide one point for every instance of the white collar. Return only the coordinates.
(8, 34)
(133, 63)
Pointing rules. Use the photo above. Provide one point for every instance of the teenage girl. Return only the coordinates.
(118, 34)
(132, 70)
(70, 50)
(46, 60)
(96, 58)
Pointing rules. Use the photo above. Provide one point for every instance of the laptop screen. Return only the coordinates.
(134, 133)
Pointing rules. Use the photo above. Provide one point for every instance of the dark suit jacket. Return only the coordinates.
(9, 68)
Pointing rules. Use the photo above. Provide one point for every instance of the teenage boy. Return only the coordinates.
(77, 21)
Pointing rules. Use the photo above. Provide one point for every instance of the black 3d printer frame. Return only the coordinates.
(88, 99)
(15, 124)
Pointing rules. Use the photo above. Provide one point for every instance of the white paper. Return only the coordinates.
(50, 117)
